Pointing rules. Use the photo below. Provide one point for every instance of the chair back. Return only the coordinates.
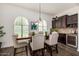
(38, 41)
(53, 38)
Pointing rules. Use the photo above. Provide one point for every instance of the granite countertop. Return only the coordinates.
(70, 31)
(70, 34)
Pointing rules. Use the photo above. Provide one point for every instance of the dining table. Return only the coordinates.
(28, 44)
(23, 38)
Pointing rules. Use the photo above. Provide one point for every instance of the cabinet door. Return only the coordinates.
(62, 38)
(69, 20)
(74, 18)
(53, 24)
(58, 23)
(63, 22)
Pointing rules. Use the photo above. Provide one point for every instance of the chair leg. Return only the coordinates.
(45, 46)
(14, 51)
(33, 53)
(48, 48)
(57, 48)
(50, 51)
(26, 50)
(42, 52)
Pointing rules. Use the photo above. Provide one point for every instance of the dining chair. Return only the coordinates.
(19, 44)
(52, 42)
(37, 44)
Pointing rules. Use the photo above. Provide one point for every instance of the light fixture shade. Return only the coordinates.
(35, 21)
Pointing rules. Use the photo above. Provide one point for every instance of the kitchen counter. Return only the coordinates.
(67, 30)
(67, 35)
(72, 34)
(68, 39)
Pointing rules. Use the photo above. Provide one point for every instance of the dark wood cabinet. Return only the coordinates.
(69, 20)
(62, 38)
(66, 21)
(72, 21)
(61, 22)
(53, 23)
(58, 24)
(74, 18)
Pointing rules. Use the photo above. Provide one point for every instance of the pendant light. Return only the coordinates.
(39, 11)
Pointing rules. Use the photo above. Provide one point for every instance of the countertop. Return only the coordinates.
(69, 31)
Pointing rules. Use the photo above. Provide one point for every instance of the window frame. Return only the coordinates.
(21, 18)
(43, 26)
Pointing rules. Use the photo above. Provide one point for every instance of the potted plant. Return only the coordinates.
(33, 33)
(1, 33)
(46, 36)
(53, 29)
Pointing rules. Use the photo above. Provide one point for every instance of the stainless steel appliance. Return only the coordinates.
(72, 40)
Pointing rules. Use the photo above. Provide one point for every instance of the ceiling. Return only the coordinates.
(48, 8)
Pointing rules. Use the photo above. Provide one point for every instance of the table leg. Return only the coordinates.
(28, 47)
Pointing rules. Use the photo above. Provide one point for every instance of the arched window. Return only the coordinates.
(42, 26)
(21, 27)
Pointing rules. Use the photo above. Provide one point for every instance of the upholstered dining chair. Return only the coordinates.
(37, 44)
(52, 42)
(19, 44)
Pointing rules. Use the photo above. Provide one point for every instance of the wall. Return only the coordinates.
(8, 13)
(70, 12)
